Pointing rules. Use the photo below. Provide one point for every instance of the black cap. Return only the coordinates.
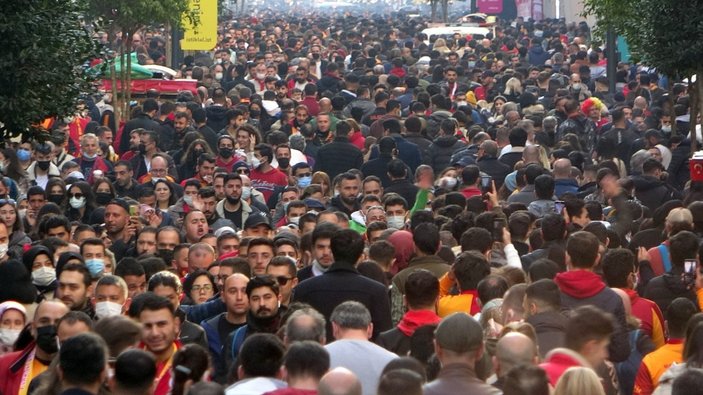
(255, 220)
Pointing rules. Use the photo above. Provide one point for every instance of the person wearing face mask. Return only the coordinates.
(110, 297)
(39, 261)
(13, 317)
(20, 367)
(90, 162)
(42, 169)
(226, 157)
(258, 78)
(266, 178)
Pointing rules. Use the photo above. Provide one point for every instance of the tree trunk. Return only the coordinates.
(672, 117)
(445, 9)
(693, 94)
(699, 107)
(433, 15)
(124, 105)
(128, 83)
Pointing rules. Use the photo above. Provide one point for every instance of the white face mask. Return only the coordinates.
(188, 200)
(246, 193)
(3, 250)
(450, 182)
(43, 276)
(666, 128)
(218, 76)
(77, 202)
(255, 162)
(294, 220)
(396, 221)
(107, 309)
(8, 336)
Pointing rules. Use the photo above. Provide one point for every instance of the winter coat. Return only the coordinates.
(653, 192)
(663, 289)
(583, 287)
(550, 327)
(441, 150)
(337, 157)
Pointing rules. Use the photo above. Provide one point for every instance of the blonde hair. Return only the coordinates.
(320, 177)
(579, 381)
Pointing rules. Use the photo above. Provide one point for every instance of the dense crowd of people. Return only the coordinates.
(347, 206)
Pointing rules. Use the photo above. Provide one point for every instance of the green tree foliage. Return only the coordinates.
(44, 48)
(128, 17)
(664, 34)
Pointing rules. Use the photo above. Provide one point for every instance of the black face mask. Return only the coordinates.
(142, 149)
(46, 339)
(44, 164)
(233, 200)
(55, 198)
(103, 198)
(283, 162)
(254, 113)
(197, 153)
(166, 255)
(226, 152)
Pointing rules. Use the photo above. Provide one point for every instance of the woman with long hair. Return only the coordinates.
(189, 159)
(9, 216)
(81, 202)
(56, 192)
(165, 195)
(104, 191)
(323, 180)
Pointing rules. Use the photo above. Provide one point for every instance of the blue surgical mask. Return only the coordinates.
(23, 155)
(246, 193)
(96, 267)
(304, 181)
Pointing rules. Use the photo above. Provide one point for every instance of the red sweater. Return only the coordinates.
(267, 182)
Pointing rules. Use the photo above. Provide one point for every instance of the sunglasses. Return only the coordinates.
(11, 202)
(75, 195)
(283, 280)
(243, 171)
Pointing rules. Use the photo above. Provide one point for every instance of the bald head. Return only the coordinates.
(562, 168)
(339, 381)
(513, 349)
(640, 102)
(530, 154)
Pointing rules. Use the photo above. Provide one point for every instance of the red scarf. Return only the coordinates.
(414, 319)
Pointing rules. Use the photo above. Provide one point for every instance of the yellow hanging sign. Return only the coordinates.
(202, 36)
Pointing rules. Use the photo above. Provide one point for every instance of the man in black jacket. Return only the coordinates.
(488, 162)
(650, 189)
(340, 155)
(542, 310)
(398, 173)
(144, 121)
(341, 283)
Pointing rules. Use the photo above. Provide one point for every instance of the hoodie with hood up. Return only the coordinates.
(583, 287)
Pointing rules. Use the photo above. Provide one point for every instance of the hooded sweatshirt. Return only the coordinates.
(583, 287)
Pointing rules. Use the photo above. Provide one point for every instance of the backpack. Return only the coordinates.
(627, 370)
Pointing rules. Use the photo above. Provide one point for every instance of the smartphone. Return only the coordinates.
(498, 225)
(486, 183)
(559, 206)
(133, 210)
(689, 272)
(689, 265)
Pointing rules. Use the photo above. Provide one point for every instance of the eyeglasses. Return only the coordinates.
(283, 280)
(75, 195)
(202, 288)
(11, 202)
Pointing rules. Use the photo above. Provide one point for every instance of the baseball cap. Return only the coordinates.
(255, 220)
(459, 333)
(314, 204)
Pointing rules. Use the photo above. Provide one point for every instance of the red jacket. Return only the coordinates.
(12, 368)
(558, 360)
(358, 140)
(651, 318)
